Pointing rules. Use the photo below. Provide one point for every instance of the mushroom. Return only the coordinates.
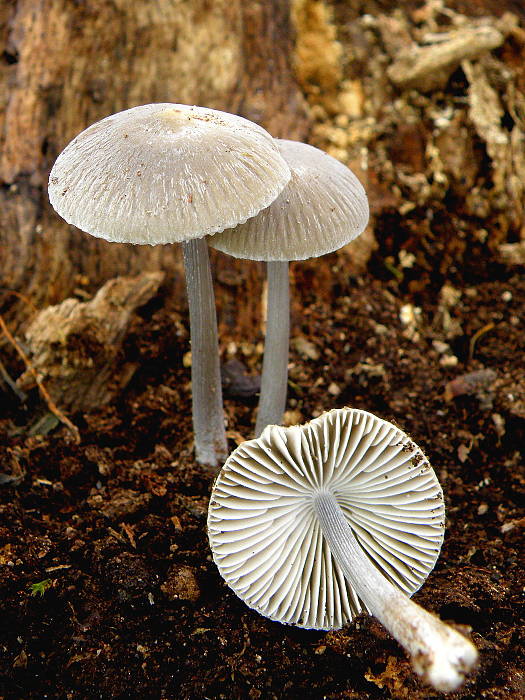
(323, 207)
(310, 525)
(166, 173)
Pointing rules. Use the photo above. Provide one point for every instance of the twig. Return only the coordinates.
(477, 335)
(45, 394)
(4, 374)
(27, 301)
(128, 529)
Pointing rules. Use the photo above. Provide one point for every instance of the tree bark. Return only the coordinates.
(64, 65)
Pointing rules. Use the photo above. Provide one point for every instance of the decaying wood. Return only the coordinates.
(461, 140)
(76, 347)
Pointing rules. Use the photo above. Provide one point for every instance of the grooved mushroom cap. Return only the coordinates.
(323, 207)
(166, 173)
(265, 536)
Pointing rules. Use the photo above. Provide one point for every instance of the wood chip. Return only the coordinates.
(429, 67)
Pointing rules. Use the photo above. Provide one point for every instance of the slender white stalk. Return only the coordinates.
(274, 380)
(439, 654)
(208, 416)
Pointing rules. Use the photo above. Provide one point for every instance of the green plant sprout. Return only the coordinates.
(41, 587)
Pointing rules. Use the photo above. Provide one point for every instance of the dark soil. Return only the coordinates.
(114, 529)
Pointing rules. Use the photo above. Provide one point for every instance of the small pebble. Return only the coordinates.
(305, 348)
(333, 389)
(440, 346)
(380, 329)
(293, 417)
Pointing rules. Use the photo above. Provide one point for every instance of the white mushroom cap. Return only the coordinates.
(323, 207)
(265, 536)
(165, 173)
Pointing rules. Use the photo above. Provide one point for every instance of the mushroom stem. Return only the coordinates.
(274, 380)
(439, 654)
(208, 414)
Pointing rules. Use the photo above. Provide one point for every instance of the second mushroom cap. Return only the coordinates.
(322, 208)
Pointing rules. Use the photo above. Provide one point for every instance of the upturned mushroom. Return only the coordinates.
(311, 525)
(167, 173)
(322, 208)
